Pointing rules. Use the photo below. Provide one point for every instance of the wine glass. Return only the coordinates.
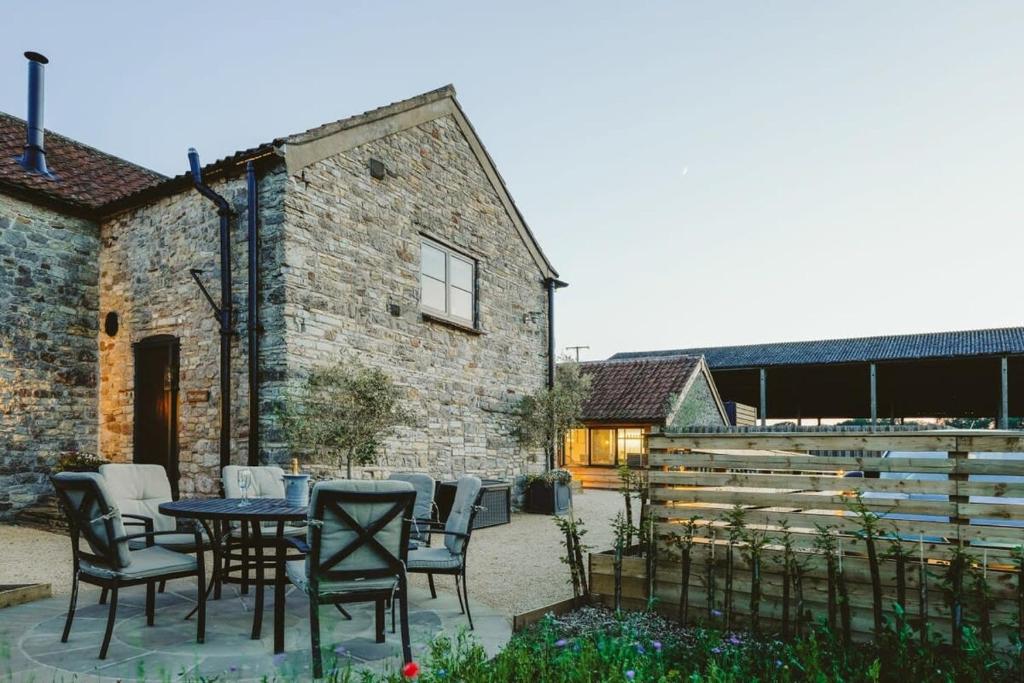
(244, 482)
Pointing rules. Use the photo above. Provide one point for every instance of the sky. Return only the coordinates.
(699, 173)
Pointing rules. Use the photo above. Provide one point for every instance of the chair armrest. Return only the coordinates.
(139, 520)
(148, 535)
(456, 534)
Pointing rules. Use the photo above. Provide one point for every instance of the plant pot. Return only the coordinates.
(548, 499)
(296, 489)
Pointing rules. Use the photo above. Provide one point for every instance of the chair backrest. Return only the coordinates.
(424, 508)
(358, 529)
(139, 490)
(92, 514)
(267, 481)
(460, 519)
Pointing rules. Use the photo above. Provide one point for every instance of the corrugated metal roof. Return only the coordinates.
(635, 391)
(966, 343)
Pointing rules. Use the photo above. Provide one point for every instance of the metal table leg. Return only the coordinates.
(257, 616)
(214, 582)
(280, 579)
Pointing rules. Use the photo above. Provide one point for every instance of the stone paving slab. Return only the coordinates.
(30, 647)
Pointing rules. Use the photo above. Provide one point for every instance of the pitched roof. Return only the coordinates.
(84, 178)
(931, 345)
(303, 148)
(637, 390)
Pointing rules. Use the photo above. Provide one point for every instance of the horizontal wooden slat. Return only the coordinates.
(977, 441)
(814, 501)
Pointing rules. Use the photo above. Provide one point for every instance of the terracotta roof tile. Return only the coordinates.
(637, 390)
(85, 178)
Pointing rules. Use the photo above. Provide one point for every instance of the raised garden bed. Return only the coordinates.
(20, 593)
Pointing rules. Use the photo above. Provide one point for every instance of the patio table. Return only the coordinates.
(214, 514)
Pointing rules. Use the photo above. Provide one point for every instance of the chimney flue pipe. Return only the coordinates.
(34, 158)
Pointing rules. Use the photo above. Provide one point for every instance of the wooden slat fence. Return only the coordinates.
(963, 501)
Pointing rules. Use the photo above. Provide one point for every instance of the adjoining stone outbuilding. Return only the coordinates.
(387, 238)
(628, 399)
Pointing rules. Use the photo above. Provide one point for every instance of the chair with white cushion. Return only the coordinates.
(114, 559)
(450, 558)
(266, 481)
(425, 512)
(138, 490)
(357, 547)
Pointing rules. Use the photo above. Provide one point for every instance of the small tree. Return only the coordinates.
(341, 413)
(544, 418)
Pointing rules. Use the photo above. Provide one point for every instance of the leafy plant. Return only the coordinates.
(341, 414)
(78, 461)
(544, 418)
(684, 542)
(551, 477)
(869, 528)
(573, 531)
(825, 543)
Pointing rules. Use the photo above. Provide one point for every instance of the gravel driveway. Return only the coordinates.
(512, 568)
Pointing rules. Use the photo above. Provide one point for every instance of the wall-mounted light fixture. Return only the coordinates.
(111, 324)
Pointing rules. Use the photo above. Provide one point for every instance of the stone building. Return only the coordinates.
(629, 398)
(387, 238)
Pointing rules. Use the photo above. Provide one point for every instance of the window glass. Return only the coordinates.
(602, 446)
(631, 442)
(433, 262)
(461, 273)
(433, 293)
(576, 447)
(461, 303)
(447, 281)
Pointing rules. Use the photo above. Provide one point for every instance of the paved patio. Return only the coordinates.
(30, 647)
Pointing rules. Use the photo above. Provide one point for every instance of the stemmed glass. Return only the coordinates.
(244, 482)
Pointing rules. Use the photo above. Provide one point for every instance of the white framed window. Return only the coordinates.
(447, 283)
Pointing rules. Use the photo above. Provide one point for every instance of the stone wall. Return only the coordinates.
(48, 327)
(698, 407)
(144, 277)
(352, 250)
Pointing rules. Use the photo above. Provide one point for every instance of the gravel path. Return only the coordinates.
(512, 568)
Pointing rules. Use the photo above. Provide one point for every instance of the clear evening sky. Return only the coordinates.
(700, 173)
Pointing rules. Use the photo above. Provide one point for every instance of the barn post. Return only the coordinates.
(874, 398)
(1004, 403)
(764, 397)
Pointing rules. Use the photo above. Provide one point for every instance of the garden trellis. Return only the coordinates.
(847, 550)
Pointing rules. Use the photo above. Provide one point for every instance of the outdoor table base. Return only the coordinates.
(215, 516)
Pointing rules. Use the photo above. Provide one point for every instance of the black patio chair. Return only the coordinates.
(450, 558)
(357, 548)
(110, 562)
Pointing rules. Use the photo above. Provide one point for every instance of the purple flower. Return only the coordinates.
(778, 662)
(561, 642)
(640, 648)
(716, 613)
(630, 674)
(734, 640)
(280, 658)
(716, 650)
(656, 645)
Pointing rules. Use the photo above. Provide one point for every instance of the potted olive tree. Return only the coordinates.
(339, 415)
(543, 419)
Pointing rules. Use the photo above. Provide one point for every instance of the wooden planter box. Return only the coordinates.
(548, 499)
(19, 594)
(634, 580)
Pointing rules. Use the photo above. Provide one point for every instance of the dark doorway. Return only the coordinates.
(156, 404)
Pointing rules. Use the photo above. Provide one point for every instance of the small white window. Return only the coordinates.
(447, 283)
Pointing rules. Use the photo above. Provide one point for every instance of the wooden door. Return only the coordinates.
(156, 405)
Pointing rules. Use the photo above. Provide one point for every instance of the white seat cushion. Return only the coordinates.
(139, 490)
(433, 558)
(144, 563)
(296, 570)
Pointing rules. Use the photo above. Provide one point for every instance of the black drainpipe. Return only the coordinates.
(225, 310)
(253, 316)
(552, 284)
